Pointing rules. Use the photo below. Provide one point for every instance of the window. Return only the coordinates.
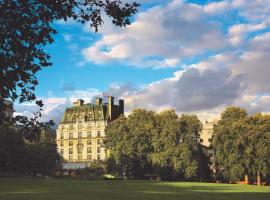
(89, 142)
(62, 136)
(80, 126)
(98, 158)
(80, 135)
(63, 127)
(61, 143)
(79, 157)
(210, 140)
(79, 142)
(201, 140)
(70, 158)
(98, 134)
(89, 134)
(98, 150)
(70, 127)
(89, 157)
(79, 150)
(89, 150)
(70, 151)
(98, 141)
(70, 143)
(80, 120)
(70, 135)
(62, 151)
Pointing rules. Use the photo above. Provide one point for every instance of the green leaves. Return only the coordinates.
(241, 144)
(163, 143)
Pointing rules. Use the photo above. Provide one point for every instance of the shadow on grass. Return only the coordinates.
(126, 190)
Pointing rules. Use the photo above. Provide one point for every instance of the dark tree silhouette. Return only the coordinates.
(26, 27)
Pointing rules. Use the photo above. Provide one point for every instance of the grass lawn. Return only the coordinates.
(41, 189)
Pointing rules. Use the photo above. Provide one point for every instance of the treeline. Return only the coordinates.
(156, 143)
(163, 143)
(20, 156)
(27, 146)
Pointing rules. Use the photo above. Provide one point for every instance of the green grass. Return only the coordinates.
(45, 189)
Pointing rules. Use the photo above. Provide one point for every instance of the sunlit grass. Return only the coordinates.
(45, 189)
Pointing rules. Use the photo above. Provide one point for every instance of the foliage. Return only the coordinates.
(241, 145)
(27, 26)
(18, 156)
(28, 146)
(11, 151)
(95, 171)
(163, 143)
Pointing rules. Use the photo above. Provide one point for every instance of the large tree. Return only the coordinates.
(258, 146)
(27, 27)
(230, 144)
(177, 151)
(129, 142)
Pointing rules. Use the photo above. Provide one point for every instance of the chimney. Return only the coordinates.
(121, 106)
(110, 100)
(79, 102)
(98, 101)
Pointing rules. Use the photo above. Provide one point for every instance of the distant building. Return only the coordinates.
(81, 133)
(206, 134)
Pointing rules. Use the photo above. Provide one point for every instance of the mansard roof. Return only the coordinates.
(86, 112)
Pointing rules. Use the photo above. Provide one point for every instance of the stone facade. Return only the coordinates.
(81, 133)
(207, 133)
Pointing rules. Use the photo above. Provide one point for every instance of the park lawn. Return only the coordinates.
(45, 189)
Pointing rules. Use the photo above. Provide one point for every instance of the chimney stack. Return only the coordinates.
(110, 100)
(98, 101)
(79, 102)
(121, 106)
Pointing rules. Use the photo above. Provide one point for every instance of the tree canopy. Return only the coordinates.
(241, 145)
(163, 143)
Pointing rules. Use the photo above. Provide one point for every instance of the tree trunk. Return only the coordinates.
(258, 179)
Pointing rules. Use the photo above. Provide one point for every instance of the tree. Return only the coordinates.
(258, 145)
(129, 142)
(177, 151)
(27, 27)
(11, 151)
(166, 143)
(230, 143)
(117, 133)
(241, 145)
(32, 128)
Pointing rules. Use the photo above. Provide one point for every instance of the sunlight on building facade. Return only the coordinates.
(81, 133)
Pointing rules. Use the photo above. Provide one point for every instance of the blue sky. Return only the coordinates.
(193, 56)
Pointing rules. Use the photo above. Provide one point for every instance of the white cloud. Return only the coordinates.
(253, 10)
(239, 32)
(159, 37)
(217, 7)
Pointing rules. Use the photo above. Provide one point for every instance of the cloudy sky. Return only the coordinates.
(193, 56)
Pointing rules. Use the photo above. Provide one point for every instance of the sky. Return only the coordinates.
(196, 57)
